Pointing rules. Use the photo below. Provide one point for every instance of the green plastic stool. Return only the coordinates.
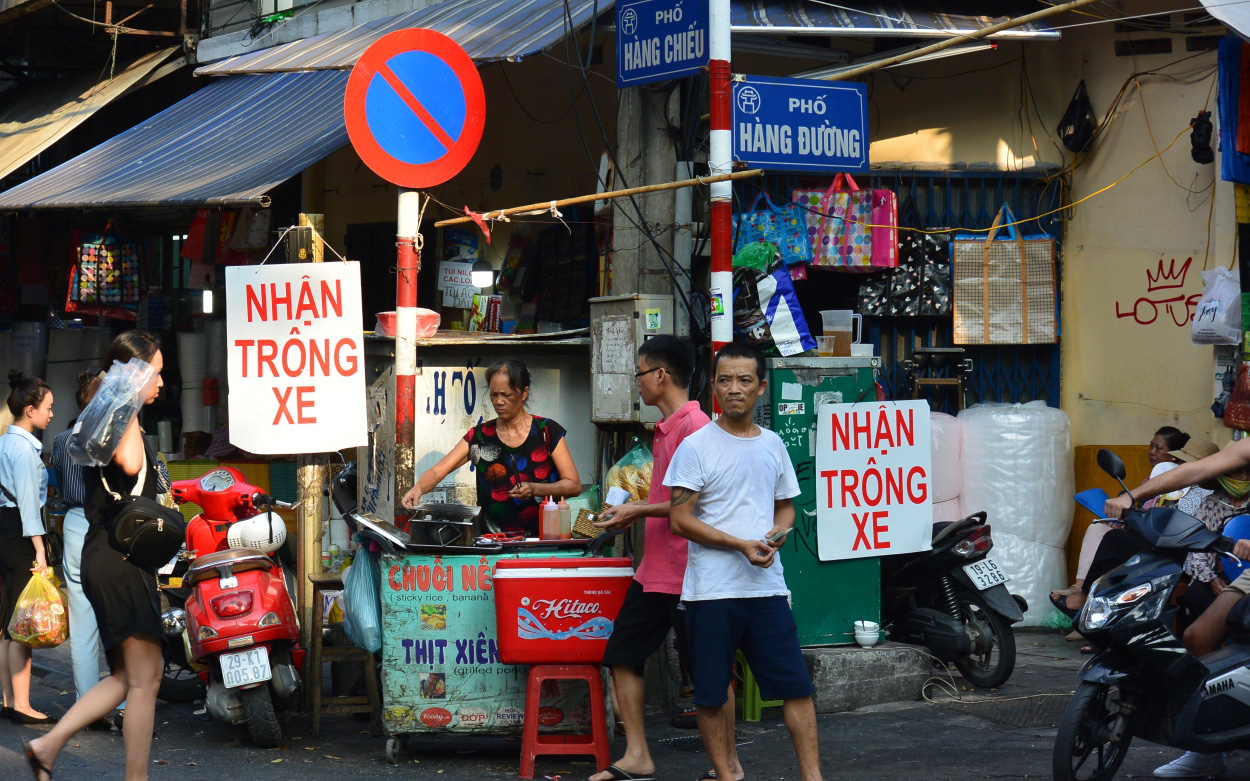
(753, 704)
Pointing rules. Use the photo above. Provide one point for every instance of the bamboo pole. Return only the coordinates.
(650, 188)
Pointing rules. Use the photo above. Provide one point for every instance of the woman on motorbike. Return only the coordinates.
(122, 594)
(1168, 446)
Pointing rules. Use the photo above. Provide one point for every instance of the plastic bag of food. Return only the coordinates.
(39, 618)
(362, 601)
(119, 398)
(632, 473)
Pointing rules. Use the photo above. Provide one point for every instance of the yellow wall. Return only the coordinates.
(1122, 376)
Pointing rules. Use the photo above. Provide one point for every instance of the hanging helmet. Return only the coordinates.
(265, 532)
(343, 490)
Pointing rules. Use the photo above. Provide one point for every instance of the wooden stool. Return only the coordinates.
(319, 705)
(597, 743)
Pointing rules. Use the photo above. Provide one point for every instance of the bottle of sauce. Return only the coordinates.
(549, 527)
(566, 520)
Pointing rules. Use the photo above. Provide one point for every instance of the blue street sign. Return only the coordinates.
(800, 124)
(658, 40)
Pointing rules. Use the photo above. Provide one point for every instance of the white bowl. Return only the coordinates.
(867, 639)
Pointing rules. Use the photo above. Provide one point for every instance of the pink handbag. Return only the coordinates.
(839, 222)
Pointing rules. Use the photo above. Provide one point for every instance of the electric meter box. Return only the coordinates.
(618, 327)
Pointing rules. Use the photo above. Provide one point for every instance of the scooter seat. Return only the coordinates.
(225, 563)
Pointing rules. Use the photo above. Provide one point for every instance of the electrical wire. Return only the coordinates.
(503, 70)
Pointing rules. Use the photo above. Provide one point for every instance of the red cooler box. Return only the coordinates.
(558, 611)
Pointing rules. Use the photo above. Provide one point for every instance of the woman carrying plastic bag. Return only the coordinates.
(23, 490)
(39, 618)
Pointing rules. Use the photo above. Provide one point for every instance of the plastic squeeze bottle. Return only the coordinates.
(566, 520)
(550, 526)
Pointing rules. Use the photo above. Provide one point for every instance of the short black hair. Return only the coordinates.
(673, 353)
(741, 350)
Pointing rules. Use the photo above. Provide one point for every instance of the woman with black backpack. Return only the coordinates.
(23, 490)
(122, 594)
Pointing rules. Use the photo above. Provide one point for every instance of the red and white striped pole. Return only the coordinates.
(720, 161)
(408, 263)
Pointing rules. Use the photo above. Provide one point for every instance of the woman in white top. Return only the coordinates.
(23, 491)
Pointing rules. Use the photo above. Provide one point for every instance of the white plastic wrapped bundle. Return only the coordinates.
(1035, 570)
(1017, 467)
(192, 357)
(949, 510)
(946, 447)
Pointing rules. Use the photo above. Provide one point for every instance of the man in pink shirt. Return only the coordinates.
(651, 607)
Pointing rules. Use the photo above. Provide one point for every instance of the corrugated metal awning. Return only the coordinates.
(35, 118)
(226, 145)
(861, 19)
(488, 31)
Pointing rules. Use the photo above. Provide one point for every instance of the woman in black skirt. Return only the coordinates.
(23, 490)
(123, 595)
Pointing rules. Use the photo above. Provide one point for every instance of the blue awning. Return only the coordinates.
(226, 145)
(854, 18)
(488, 31)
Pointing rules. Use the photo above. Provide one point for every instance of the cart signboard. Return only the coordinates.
(295, 357)
(440, 653)
(658, 40)
(873, 479)
(800, 124)
(415, 108)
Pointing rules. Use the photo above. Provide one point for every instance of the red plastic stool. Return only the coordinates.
(597, 743)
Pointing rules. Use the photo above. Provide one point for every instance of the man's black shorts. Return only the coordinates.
(642, 625)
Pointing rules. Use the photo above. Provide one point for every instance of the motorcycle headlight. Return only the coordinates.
(1096, 613)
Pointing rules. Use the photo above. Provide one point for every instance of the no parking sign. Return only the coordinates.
(415, 108)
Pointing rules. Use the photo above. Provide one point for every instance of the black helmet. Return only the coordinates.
(343, 490)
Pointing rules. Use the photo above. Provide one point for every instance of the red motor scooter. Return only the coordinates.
(241, 622)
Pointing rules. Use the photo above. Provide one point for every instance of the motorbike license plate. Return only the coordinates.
(985, 573)
(244, 667)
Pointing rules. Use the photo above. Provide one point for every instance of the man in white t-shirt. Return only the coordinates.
(732, 490)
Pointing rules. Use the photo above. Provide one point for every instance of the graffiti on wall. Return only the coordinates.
(1164, 299)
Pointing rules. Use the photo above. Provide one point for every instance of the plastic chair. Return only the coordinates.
(598, 743)
(753, 704)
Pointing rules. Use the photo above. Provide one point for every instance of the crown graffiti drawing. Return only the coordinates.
(1167, 278)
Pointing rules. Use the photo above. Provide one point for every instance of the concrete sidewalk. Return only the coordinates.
(1003, 734)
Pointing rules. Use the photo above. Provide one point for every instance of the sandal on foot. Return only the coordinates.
(36, 767)
(711, 774)
(1061, 604)
(624, 775)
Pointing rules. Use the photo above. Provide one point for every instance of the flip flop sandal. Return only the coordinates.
(1061, 604)
(625, 775)
(36, 767)
(1087, 649)
(711, 774)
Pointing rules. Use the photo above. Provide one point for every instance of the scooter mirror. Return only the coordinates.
(1111, 464)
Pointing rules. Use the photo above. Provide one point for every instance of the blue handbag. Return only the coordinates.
(785, 227)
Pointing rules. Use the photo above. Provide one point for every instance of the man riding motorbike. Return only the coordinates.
(1209, 631)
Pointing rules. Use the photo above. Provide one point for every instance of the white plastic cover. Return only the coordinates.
(950, 510)
(1017, 467)
(946, 448)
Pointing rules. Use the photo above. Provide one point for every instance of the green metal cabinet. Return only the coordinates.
(828, 596)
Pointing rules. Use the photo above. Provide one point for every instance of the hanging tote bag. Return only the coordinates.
(1004, 287)
(785, 227)
(849, 228)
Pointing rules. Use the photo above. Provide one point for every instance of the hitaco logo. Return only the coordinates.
(561, 608)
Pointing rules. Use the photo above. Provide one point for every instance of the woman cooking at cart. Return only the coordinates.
(519, 458)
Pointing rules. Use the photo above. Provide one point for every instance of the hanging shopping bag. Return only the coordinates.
(783, 226)
(1004, 288)
(105, 276)
(849, 228)
(39, 617)
(1217, 319)
(766, 312)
